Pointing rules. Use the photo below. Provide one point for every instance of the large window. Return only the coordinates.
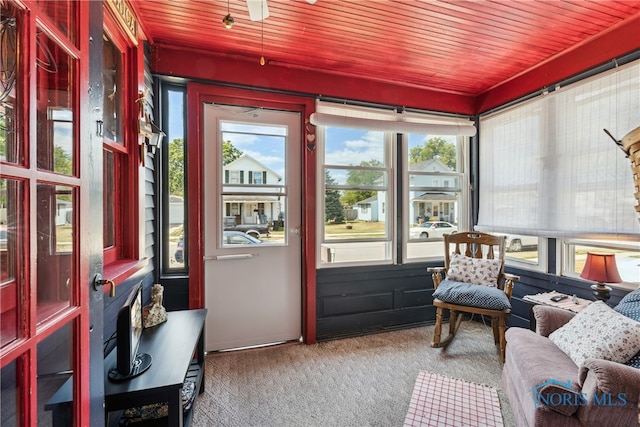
(433, 194)
(357, 175)
(364, 217)
(548, 169)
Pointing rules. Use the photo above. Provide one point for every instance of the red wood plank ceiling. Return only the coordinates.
(463, 48)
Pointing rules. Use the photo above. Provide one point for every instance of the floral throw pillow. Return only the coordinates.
(598, 332)
(474, 270)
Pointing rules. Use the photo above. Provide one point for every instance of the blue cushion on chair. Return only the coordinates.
(472, 295)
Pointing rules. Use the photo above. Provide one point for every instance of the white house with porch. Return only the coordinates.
(252, 191)
(438, 204)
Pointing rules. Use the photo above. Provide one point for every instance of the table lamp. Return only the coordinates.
(601, 268)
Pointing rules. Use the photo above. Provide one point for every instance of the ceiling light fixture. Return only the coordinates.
(228, 20)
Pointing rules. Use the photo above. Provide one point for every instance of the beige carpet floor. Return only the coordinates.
(362, 381)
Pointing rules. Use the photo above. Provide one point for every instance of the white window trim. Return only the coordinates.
(540, 266)
(463, 146)
(390, 224)
(564, 258)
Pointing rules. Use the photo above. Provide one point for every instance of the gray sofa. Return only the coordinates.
(546, 388)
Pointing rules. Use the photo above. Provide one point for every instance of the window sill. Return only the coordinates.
(627, 286)
(121, 270)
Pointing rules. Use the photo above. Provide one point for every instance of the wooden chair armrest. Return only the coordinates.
(509, 281)
(511, 277)
(436, 275)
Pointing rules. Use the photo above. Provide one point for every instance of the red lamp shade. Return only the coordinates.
(601, 268)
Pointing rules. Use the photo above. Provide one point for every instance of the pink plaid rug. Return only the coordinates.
(440, 401)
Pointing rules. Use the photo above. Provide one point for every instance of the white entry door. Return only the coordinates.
(252, 179)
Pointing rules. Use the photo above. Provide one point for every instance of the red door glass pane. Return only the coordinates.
(55, 121)
(55, 368)
(63, 13)
(9, 398)
(10, 149)
(56, 255)
(11, 221)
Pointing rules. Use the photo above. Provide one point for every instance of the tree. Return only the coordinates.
(332, 205)
(357, 177)
(176, 167)
(435, 148)
(176, 163)
(229, 153)
(62, 161)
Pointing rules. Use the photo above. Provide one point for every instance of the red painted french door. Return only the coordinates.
(50, 158)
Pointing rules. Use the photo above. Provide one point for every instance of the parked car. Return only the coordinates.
(256, 230)
(238, 238)
(516, 243)
(179, 255)
(229, 238)
(432, 229)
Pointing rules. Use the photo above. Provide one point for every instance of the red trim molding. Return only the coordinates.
(616, 42)
(206, 66)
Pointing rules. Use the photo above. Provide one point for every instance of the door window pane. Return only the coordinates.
(55, 368)
(10, 148)
(254, 189)
(9, 395)
(63, 13)
(54, 116)
(56, 256)
(11, 225)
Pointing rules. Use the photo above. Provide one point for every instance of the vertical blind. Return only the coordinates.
(547, 168)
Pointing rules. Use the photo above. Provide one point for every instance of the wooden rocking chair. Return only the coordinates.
(475, 283)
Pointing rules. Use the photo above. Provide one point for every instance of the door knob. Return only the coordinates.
(98, 282)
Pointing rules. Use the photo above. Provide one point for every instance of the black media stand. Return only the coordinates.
(172, 345)
(177, 349)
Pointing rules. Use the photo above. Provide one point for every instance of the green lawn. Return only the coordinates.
(355, 229)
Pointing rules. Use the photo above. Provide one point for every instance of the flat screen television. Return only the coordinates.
(129, 363)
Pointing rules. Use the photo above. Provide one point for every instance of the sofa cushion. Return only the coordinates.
(474, 270)
(598, 332)
(472, 295)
